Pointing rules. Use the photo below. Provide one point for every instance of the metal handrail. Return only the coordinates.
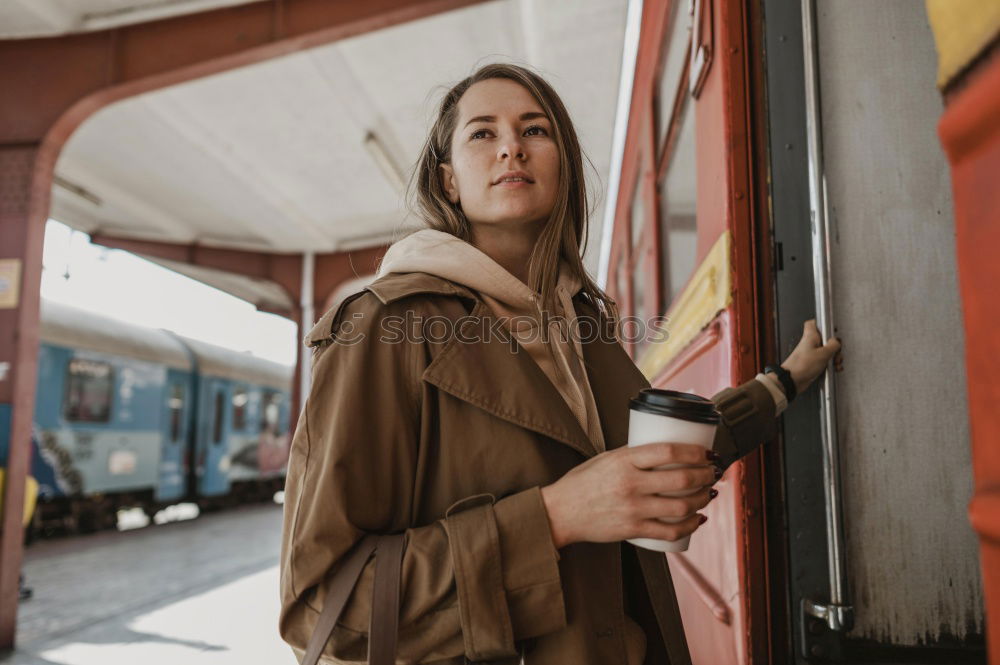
(837, 613)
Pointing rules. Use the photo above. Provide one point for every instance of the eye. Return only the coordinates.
(476, 133)
(539, 128)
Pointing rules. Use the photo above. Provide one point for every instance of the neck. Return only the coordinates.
(510, 245)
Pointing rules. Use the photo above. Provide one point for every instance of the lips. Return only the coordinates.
(513, 176)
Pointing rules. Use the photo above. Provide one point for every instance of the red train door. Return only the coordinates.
(683, 246)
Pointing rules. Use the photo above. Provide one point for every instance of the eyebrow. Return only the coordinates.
(531, 115)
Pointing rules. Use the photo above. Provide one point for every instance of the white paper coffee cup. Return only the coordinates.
(665, 415)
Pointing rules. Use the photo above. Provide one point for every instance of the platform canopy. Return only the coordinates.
(310, 150)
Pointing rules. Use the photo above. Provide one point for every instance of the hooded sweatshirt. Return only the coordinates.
(559, 355)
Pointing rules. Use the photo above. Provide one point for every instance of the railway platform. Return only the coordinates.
(193, 591)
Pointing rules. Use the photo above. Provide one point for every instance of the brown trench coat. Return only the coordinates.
(451, 441)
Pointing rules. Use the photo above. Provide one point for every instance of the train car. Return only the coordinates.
(749, 202)
(241, 439)
(132, 416)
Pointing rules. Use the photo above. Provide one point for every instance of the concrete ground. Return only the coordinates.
(197, 591)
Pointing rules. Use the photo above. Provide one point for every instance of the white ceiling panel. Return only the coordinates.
(272, 156)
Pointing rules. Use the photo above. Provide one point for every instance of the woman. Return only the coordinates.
(448, 402)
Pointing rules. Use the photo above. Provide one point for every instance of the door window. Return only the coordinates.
(220, 406)
(677, 203)
(89, 391)
(240, 399)
(176, 405)
(271, 413)
(672, 80)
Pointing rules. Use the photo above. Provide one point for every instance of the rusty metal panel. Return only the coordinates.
(970, 132)
(902, 408)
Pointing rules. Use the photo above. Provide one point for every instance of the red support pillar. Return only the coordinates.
(25, 177)
(970, 134)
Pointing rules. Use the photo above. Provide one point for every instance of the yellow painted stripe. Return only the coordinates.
(30, 495)
(962, 30)
(707, 293)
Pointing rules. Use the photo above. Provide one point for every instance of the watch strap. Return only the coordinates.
(785, 377)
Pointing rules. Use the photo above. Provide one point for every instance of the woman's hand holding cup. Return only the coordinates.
(621, 494)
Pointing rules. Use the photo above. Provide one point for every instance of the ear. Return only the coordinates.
(448, 184)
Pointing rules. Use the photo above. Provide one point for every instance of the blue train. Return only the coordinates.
(129, 416)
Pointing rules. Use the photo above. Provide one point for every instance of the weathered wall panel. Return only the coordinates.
(912, 555)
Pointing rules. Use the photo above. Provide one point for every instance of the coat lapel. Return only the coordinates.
(512, 387)
(501, 378)
(509, 385)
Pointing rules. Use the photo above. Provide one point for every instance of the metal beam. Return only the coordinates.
(331, 269)
(283, 269)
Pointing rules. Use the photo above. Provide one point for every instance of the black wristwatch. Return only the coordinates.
(786, 380)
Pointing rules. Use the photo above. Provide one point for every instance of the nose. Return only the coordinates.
(511, 147)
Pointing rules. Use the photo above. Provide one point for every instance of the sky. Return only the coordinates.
(125, 287)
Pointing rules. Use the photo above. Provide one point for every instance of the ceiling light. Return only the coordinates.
(385, 162)
(74, 188)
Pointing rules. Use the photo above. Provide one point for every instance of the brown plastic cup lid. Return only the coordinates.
(684, 406)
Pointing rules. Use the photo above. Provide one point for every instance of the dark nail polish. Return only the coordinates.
(702, 519)
(712, 494)
(713, 456)
(718, 472)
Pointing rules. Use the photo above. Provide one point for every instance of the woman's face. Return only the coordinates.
(504, 161)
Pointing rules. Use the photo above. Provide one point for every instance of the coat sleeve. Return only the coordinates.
(474, 582)
(748, 420)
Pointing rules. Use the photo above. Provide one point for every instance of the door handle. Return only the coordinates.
(837, 613)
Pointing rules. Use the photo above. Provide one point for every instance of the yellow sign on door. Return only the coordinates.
(10, 282)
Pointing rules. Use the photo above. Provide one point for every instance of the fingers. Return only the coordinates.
(810, 333)
(673, 507)
(654, 528)
(658, 454)
(665, 481)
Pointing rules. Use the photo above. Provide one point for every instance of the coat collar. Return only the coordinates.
(508, 384)
(394, 286)
(387, 289)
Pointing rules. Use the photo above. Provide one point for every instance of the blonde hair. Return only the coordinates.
(565, 232)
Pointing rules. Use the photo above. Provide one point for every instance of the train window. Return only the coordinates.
(220, 405)
(638, 214)
(678, 196)
(89, 391)
(621, 281)
(673, 69)
(176, 405)
(270, 421)
(240, 399)
(640, 294)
